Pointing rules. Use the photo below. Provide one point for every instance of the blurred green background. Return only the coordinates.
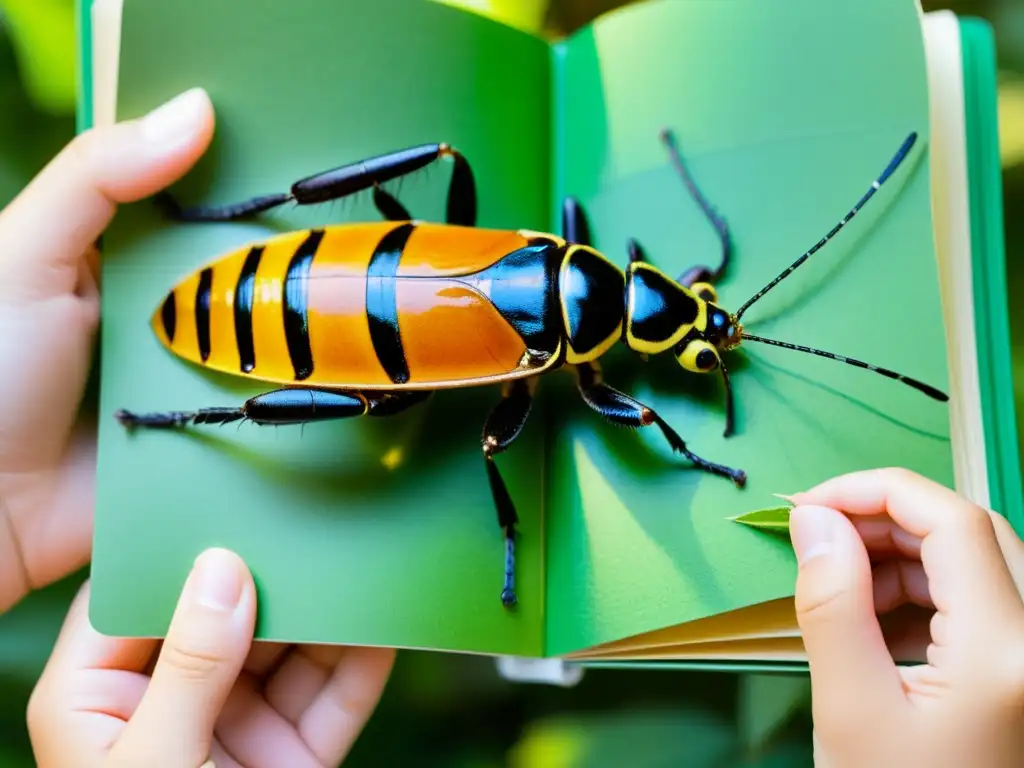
(456, 711)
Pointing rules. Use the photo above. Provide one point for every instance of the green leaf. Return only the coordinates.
(44, 36)
(770, 519)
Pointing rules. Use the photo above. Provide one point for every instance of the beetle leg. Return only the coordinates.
(388, 206)
(624, 411)
(284, 406)
(636, 253)
(575, 228)
(503, 425)
(700, 274)
(347, 180)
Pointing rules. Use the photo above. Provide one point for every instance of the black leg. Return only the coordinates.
(636, 253)
(699, 274)
(347, 180)
(283, 406)
(730, 407)
(388, 206)
(624, 411)
(503, 425)
(575, 227)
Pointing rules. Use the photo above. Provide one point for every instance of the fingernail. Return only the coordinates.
(812, 531)
(176, 120)
(217, 580)
(784, 497)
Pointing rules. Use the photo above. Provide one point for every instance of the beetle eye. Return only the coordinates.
(706, 359)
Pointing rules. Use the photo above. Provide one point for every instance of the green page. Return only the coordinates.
(342, 548)
(785, 113)
(384, 532)
(979, 65)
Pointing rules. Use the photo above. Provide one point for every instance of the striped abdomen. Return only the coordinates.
(372, 306)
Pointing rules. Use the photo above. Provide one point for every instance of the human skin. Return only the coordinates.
(936, 549)
(207, 691)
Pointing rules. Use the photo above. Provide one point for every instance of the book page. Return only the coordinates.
(363, 531)
(785, 114)
(106, 50)
(953, 242)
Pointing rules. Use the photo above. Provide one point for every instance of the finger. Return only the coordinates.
(89, 685)
(48, 228)
(256, 735)
(337, 715)
(264, 657)
(1012, 547)
(300, 678)
(885, 539)
(207, 643)
(967, 573)
(853, 676)
(900, 582)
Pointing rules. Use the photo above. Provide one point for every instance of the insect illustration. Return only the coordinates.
(370, 318)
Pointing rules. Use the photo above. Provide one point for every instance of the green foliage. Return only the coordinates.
(28, 136)
(773, 519)
(43, 34)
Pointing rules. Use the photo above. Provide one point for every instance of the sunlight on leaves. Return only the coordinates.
(44, 38)
(527, 15)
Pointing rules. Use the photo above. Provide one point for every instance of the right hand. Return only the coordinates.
(965, 706)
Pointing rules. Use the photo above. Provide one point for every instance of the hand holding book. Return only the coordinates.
(939, 551)
(130, 701)
(49, 312)
(933, 549)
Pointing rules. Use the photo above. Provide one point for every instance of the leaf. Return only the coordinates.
(527, 15)
(45, 40)
(775, 519)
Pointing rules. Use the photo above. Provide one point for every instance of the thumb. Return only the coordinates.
(48, 227)
(202, 656)
(853, 676)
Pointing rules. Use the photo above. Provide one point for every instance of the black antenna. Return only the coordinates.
(875, 186)
(931, 391)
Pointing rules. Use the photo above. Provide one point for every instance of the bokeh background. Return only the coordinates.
(457, 711)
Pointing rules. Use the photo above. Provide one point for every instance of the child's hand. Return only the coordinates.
(98, 705)
(49, 309)
(965, 706)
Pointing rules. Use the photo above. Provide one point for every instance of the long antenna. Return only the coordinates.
(931, 391)
(875, 186)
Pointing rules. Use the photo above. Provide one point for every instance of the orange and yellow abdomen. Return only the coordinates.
(387, 305)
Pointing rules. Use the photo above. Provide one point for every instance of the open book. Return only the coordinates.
(384, 531)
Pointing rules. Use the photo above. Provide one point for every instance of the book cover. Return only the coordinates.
(384, 531)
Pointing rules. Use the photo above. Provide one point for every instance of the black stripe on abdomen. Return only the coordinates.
(296, 305)
(244, 291)
(382, 303)
(203, 312)
(169, 316)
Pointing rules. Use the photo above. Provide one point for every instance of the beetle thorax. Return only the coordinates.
(591, 289)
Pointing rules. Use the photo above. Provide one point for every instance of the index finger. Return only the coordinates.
(960, 552)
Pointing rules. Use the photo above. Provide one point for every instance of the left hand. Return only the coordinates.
(212, 694)
(49, 310)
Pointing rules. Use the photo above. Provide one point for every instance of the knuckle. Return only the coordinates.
(895, 477)
(974, 522)
(815, 601)
(82, 148)
(192, 660)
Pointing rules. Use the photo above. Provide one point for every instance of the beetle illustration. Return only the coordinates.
(369, 318)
